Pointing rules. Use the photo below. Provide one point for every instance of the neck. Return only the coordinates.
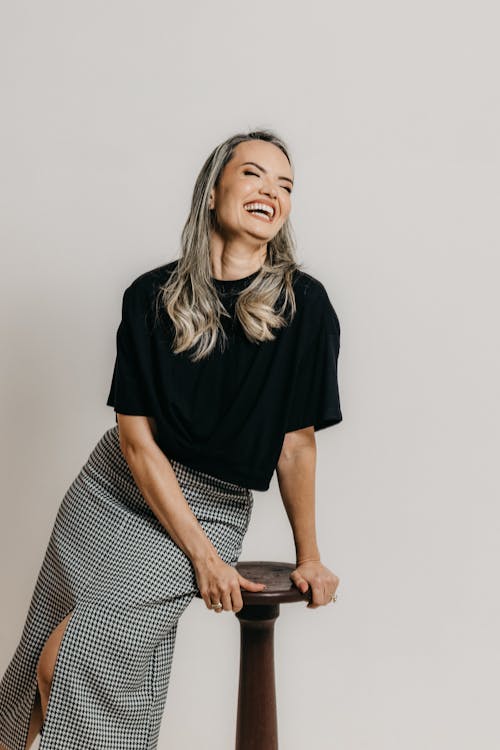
(234, 259)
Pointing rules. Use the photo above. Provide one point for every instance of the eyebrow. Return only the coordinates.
(263, 170)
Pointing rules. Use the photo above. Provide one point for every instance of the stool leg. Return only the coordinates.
(257, 725)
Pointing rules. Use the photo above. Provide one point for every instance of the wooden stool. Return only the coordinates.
(257, 724)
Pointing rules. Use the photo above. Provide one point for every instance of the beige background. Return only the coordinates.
(391, 110)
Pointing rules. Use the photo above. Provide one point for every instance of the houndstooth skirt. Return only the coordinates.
(111, 562)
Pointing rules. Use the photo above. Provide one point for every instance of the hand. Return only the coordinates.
(323, 582)
(220, 582)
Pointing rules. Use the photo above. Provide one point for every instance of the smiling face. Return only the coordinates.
(253, 196)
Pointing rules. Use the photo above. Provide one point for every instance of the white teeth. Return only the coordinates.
(262, 206)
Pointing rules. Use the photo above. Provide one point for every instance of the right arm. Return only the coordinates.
(157, 481)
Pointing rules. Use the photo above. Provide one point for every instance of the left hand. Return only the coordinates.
(322, 581)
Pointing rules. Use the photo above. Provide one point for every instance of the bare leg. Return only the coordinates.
(47, 661)
(36, 722)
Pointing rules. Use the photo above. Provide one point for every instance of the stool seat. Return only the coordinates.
(280, 589)
(257, 723)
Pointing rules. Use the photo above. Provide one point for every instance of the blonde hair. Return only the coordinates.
(189, 296)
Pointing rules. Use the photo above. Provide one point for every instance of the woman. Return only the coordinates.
(225, 367)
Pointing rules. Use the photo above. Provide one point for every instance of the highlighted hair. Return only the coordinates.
(189, 296)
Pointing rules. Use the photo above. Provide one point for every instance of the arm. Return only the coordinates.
(156, 479)
(296, 470)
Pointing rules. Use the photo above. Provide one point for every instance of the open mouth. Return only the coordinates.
(260, 211)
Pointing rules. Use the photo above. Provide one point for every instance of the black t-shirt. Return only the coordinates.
(227, 415)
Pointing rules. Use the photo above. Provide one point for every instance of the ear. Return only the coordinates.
(211, 199)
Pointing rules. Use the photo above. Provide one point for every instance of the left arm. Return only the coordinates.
(296, 473)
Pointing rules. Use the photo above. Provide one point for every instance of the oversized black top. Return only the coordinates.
(227, 415)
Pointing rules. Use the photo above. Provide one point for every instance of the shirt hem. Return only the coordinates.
(260, 485)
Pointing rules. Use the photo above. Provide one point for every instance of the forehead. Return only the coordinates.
(265, 154)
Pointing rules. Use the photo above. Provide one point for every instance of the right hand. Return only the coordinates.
(220, 582)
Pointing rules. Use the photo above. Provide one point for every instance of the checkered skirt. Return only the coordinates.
(112, 564)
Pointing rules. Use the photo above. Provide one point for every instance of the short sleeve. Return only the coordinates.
(314, 398)
(128, 392)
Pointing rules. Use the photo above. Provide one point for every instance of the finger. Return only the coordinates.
(327, 595)
(251, 585)
(301, 583)
(225, 598)
(248, 585)
(236, 599)
(214, 598)
(205, 595)
(313, 604)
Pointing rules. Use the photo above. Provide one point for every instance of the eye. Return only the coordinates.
(247, 171)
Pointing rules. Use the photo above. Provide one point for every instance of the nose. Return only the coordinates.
(270, 189)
